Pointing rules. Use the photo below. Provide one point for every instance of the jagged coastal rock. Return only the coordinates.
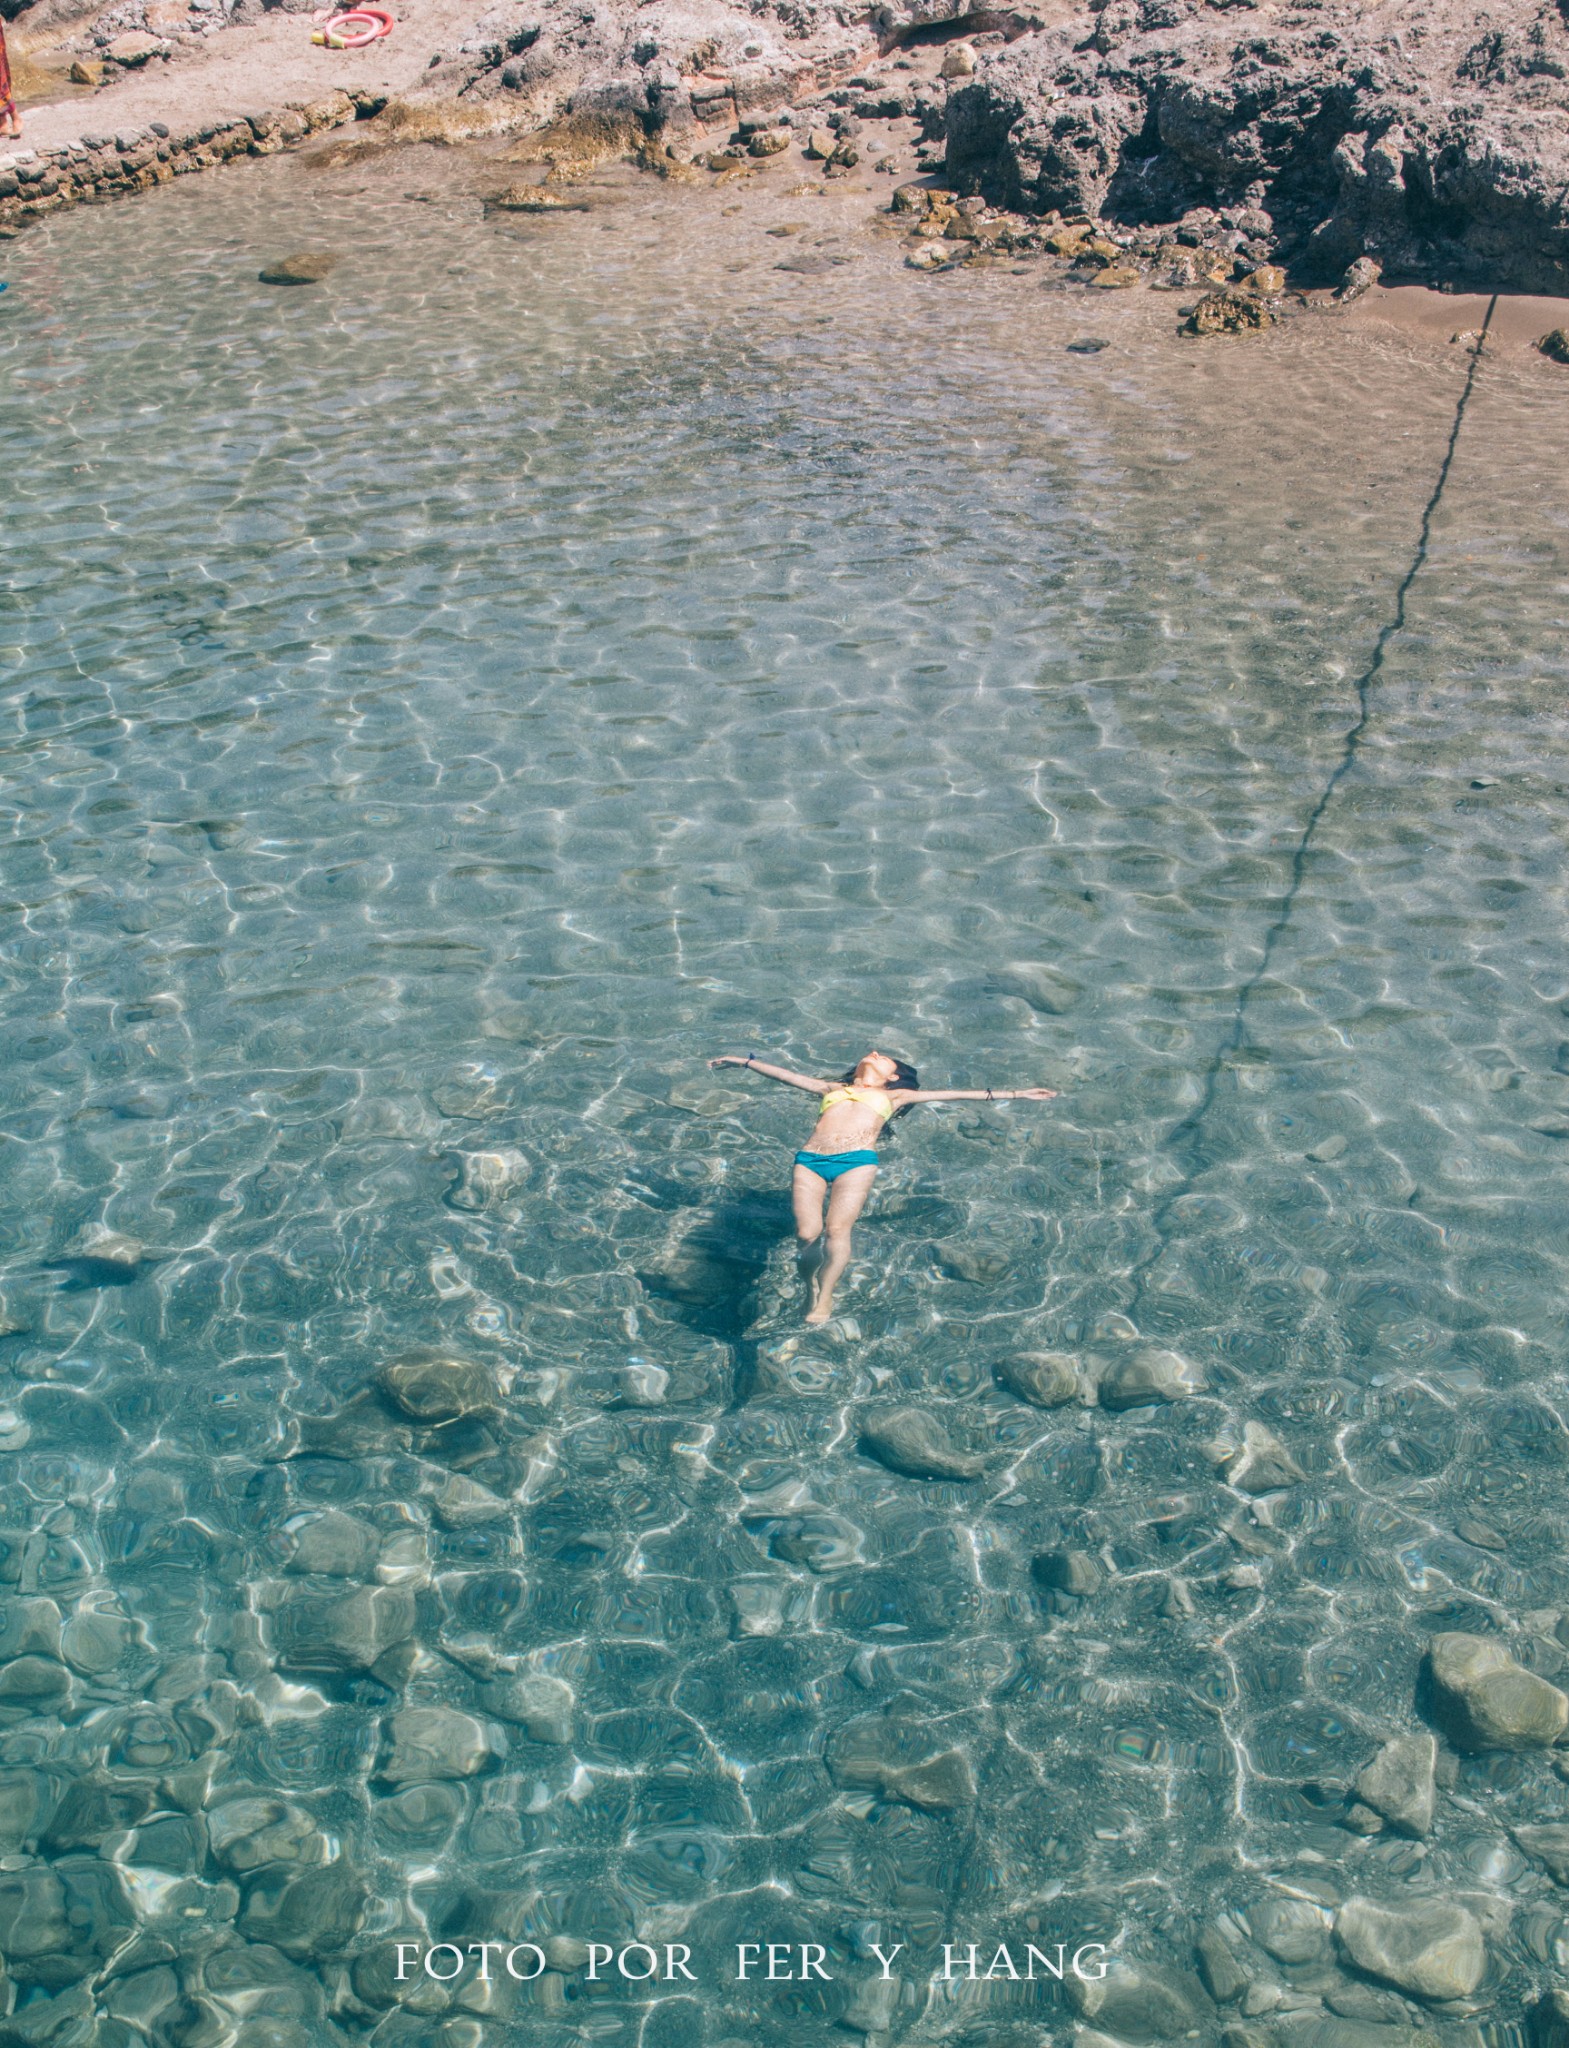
(1434, 145)
(1321, 137)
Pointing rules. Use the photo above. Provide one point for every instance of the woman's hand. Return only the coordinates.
(1034, 1094)
(729, 1059)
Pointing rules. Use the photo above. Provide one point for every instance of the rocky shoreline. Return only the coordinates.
(1200, 144)
(36, 182)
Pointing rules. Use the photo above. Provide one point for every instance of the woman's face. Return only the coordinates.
(877, 1068)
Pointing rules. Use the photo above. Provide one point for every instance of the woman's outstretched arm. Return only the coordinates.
(902, 1095)
(735, 1059)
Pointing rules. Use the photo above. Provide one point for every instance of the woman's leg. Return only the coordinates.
(846, 1200)
(808, 1191)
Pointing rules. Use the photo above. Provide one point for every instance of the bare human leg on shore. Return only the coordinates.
(10, 119)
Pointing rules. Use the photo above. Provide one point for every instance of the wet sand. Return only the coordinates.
(1519, 320)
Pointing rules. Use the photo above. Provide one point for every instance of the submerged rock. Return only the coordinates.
(1549, 1846)
(545, 1707)
(938, 1785)
(33, 1685)
(907, 1441)
(460, 1503)
(1135, 2003)
(306, 266)
(1555, 345)
(872, 2007)
(305, 1913)
(59, 1924)
(1046, 1379)
(1147, 1379)
(1224, 1977)
(822, 1542)
(1549, 2020)
(334, 1545)
(431, 1387)
(642, 1386)
(93, 1808)
(437, 1742)
(1047, 990)
(485, 1178)
(374, 1974)
(1260, 1463)
(1073, 1572)
(1482, 1699)
(247, 1835)
(104, 1254)
(1430, 1947)
(1293, 1931)
(1398, 1783)
(343, 1633)
(29, 1628)
(532, 199)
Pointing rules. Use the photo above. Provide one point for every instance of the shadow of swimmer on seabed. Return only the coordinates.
(834, 1174)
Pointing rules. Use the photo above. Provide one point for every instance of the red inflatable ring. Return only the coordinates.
(357, 26)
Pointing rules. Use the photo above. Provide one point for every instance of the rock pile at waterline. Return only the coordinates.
(1319, 136)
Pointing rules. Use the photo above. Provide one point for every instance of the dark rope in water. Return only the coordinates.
(1187, 1132)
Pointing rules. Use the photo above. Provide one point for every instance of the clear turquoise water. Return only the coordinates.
(444, 707)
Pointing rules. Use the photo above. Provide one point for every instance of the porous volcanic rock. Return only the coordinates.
(1436, 144)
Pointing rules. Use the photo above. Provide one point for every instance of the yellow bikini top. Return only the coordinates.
(874, 1098)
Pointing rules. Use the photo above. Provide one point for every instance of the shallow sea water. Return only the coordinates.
(445, 706)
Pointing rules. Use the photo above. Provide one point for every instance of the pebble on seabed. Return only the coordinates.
(912, 1443)
(1482, 1699)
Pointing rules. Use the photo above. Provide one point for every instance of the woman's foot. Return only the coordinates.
(818, 1316)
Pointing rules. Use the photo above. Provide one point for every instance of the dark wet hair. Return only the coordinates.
(904, 1076)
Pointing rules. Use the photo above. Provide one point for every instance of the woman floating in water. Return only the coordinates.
(840, 1162)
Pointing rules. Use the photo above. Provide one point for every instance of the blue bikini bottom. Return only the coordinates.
(829, 1165)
